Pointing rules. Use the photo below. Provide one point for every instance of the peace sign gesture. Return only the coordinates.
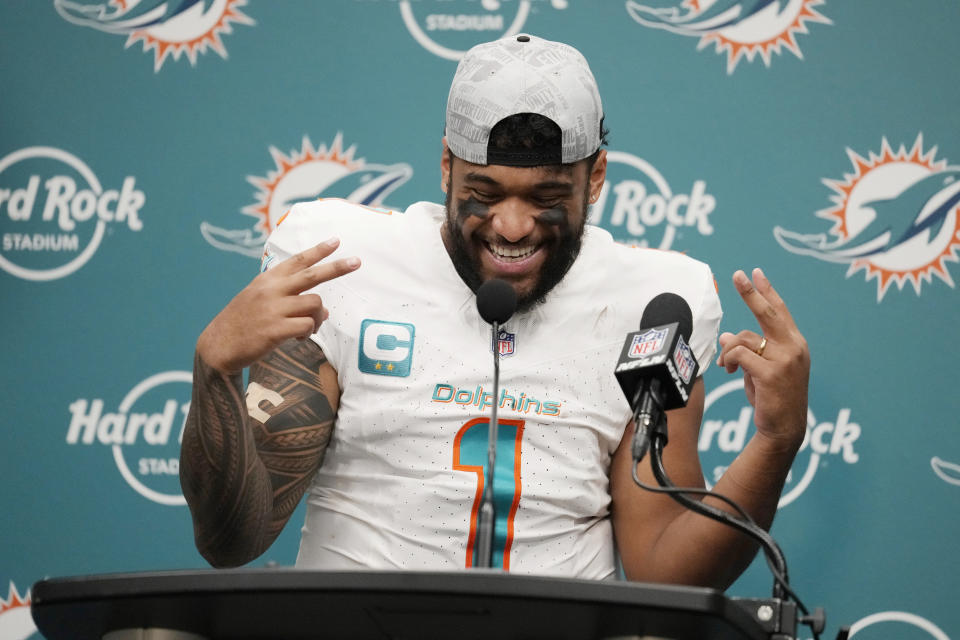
(775, 363)
(272, 309)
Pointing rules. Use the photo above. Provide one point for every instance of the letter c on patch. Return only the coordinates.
(386, 348)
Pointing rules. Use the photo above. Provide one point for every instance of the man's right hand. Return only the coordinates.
(272, 309)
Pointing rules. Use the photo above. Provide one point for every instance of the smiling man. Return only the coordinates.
(541, 212)
(369, 385)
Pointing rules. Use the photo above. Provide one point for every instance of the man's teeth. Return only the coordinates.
(513, 253)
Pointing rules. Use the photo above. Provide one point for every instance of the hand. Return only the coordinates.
(776, 379)
(272, 309)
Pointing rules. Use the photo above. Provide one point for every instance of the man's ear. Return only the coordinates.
(597, 175)
(444, 166)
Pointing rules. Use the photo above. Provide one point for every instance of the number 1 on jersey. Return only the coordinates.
(470, 454)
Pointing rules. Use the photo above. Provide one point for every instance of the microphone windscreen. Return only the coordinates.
(668, 308)
(496, 301)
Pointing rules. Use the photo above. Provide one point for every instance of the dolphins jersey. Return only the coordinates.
(401, 483)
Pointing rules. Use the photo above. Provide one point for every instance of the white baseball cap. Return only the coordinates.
(523, 74)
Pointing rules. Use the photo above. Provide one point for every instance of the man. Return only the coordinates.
(370, 386)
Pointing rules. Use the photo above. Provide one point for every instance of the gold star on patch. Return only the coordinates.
(378, 366)
(389, 367)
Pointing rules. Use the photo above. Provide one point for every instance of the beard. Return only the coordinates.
(560, 257)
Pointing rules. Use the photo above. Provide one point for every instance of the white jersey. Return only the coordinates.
(401, 483)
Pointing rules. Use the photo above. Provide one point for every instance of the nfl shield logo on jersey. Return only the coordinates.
(506, 343)
(647, 343)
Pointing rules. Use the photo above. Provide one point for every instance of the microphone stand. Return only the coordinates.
(487, 510)
(648, 417)
(778, 615)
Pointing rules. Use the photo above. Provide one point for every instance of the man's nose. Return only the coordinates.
(513, 220)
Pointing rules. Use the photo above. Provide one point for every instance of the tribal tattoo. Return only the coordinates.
(246, 462)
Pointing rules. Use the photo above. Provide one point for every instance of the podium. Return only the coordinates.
(289, 604)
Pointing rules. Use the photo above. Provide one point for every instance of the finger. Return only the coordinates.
(305, 305)
(312, 276)
(771, 321)
(307, 257)
(728, 341)
(743, 357)
(770, 294)
(300, 328)
(724, 339)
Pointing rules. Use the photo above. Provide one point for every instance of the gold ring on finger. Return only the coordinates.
(763, 345)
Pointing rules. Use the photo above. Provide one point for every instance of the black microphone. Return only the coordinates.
(496, 302)
(657, 368)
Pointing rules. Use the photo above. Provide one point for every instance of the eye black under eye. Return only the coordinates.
(556, 215)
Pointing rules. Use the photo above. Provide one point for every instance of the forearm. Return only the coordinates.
(675, 545)
(695, 549)
(226, 485)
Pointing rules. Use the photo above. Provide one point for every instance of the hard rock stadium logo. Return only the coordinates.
(896, 624)
(447, 28)
(896, 217)
(728, 426)
(143, 433)
(169, 28)
(739, 28)
(307, 174)
(639, 208)
(55, 212)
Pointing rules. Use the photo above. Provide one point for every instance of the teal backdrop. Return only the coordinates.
(146, 147)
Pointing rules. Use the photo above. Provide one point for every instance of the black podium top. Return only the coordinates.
(293, 604)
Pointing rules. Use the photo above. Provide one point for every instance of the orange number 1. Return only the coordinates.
(470, 454)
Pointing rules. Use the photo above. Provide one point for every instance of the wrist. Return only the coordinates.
(778, 445)
(207, 360)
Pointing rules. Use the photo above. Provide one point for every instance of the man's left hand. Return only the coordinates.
(776, 363)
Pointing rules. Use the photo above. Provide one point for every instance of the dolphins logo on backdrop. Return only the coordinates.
(447, 28)
(949, 472)
(15, 620)
(900, 617)
(166, 27)
(896, 217)
(307, 175)
(638, 207)
(739, 28)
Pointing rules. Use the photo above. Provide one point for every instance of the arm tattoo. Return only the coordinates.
(294, 438)
(245, 463)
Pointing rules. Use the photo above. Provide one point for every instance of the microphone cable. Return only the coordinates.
(496, 303)
(774, 556)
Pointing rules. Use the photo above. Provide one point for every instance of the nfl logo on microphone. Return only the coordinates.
(506, 342)
(647, 343)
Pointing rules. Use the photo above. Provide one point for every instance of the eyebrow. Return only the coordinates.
(562, 185)
(479, 177)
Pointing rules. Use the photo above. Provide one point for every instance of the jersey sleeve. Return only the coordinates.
(300, 228)
(706, 323)
(281, 244)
